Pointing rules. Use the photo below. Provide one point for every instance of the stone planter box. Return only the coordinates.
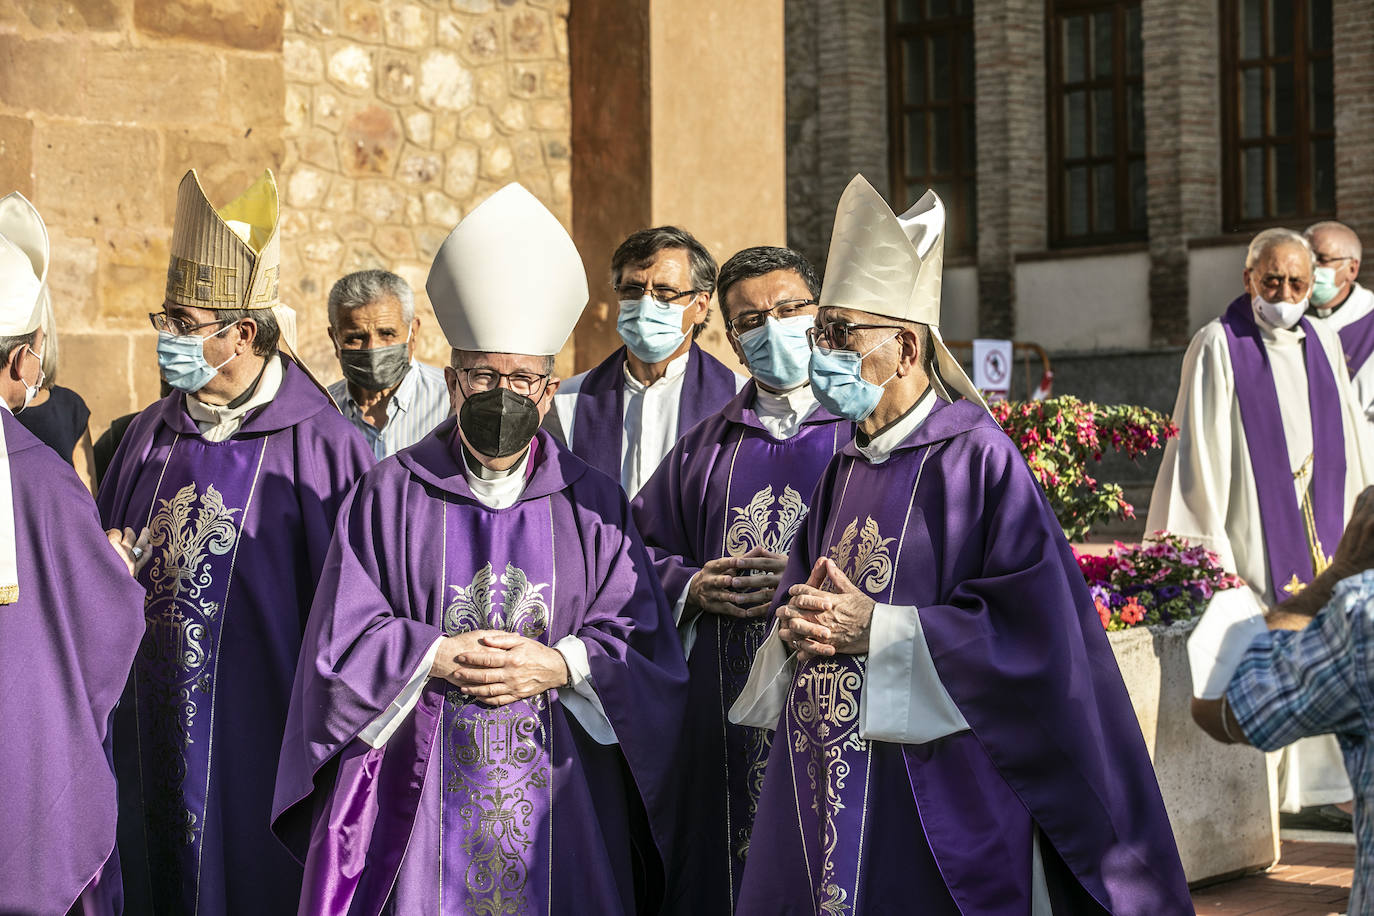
(1219, 797)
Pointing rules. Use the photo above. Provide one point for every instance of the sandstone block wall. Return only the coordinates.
(385, 122)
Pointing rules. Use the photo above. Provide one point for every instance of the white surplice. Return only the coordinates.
(649, 414)
(1359, 304)
(1206, 491)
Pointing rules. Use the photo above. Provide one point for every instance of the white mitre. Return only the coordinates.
(23, 296)
(891, 266)
(508, 279)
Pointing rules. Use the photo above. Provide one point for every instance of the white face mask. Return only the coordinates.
(31, 391)
(1280, 314)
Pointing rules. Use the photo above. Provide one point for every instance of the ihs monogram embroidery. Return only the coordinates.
(497, 772)
(823, 715)
(183, 612)
(753, 525)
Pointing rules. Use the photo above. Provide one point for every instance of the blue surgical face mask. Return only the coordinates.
(182, 360)
(777, 352)
(651, 329)
(837, 378)
(1324, 286)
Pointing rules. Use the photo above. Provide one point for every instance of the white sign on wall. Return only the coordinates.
(992, 367)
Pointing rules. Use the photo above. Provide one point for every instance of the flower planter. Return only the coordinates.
(1221, 805)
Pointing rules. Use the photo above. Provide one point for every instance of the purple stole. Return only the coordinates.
(599, 427)
(496, 787)
(1357, 340)
(195, 538)
(1285, 537)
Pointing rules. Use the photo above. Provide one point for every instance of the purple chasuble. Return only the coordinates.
(954, 524)
(727, 487)
(1285, 533)
(599, 428)
(468, 808)
(75, 598)
(239, 530)
(1357, 340)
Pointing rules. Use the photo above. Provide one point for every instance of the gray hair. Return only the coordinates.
(1353, 248)
(269, 332)
(366, 287)
(641, 246)
(1270, 239)
(9, 344)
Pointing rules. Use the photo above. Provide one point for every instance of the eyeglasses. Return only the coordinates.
(486, 379)
(1272, 283)
(835, 334)
(745, 322)
(179, 326)
(663, 294)
(1324, 259)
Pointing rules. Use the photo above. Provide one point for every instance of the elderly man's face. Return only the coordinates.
(1339, 251)
(380, 323)
(1281, 274)
(472, 373)
(669, 270)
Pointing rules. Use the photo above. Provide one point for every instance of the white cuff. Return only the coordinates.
(770, 680)
(903, 700)
(582, 700)
(1220, 639)
(686, 632)
(379, 731)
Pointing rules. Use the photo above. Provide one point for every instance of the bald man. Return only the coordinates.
(1342, 304)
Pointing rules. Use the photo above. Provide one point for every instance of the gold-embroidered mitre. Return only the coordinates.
(227, 258)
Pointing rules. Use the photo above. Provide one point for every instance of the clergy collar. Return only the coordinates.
(675, 369)
(263, 391)
(747, 404)
(479, 470)
(798, 401)
(297, 401)
(881, 445)
(495, 489)
(433, 461)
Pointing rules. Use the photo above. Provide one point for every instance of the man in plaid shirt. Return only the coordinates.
(1313, 674)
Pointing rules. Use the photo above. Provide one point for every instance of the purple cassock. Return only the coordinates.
(66, 645)
(727, 487)
(466, 808)
(240, 529)
(600, 422)
(1357, 340)
(954, 524)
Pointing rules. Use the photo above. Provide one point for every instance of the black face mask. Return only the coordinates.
(377, 369)
(498, 423)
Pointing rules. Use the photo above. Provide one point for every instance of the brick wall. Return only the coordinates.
(1353, 23)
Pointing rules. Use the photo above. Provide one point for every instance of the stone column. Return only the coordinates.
(1354, 71)
(1009, 43)
(1183, 151)
(677, 118)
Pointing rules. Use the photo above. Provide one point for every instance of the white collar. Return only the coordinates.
(496, 489)
(782, 413)
(675, 369)
(218, 422)
(881, 446)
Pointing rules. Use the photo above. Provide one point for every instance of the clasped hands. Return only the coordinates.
(497, 667)
(717, 589)
(827, 615)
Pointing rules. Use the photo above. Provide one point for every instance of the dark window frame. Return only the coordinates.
(961, 206)
(1303, 135)
(1121, 157)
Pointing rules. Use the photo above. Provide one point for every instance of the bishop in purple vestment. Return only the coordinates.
(624, 415)
(237, 477)
(951, 724)
(70, 622)
(486, 714)
(719, 517)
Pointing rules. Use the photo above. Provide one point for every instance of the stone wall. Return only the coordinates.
(385, 122)
(104, 104)
(400, 118)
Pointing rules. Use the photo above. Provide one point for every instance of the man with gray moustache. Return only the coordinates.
(390, 396)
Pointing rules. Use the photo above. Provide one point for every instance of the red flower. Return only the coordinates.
(1131, 612)
(1103, 612)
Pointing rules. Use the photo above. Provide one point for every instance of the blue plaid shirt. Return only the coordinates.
(419, 403)
(1316, 681)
